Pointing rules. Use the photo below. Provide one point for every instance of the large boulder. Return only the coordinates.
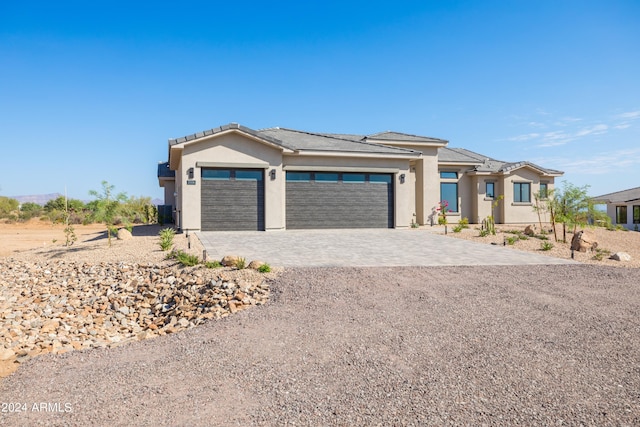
(230, 260)
(124, 234)
(530, 230)
(255, 264)
(583, 241)
(621, 256)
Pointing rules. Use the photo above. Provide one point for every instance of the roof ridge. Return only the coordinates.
(406, 150)
(617, 192)
(405, 134)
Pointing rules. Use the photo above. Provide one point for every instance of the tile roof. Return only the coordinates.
(622, 196)
(485, 163)
(404, 137)
(300, 140)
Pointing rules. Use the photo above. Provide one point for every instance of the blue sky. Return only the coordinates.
(92, 91)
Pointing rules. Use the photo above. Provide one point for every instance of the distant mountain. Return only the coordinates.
(157, 202)
(40, 199)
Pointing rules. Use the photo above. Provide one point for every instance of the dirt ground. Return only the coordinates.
(21, 236)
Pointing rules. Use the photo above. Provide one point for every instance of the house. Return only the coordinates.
(623, 207)
(236, 178)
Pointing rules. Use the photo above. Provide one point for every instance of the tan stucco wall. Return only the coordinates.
(404, 193)
(520, 213)
(230, 148)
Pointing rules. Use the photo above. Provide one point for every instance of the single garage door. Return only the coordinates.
(232, 199)
(339, 200)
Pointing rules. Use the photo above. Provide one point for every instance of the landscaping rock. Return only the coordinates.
(230, 260)
(255, 264)
(530, 230)
(621, 256)
(583, 241)
(58, 306)
(124, 234)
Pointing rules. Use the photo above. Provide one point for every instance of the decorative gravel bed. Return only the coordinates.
(532, 345)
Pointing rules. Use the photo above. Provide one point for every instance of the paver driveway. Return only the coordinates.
(361, 248)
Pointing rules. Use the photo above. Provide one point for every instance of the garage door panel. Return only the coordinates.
(229, 205)
(339, 205)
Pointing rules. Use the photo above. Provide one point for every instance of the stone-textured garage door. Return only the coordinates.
(232, 199)
(339, 200)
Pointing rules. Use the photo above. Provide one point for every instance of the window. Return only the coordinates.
(636, 214)
(326, 177)
(353, 177)
(621, 214)
(448, 175)
(544, 190)
(379, 178)
(449, 192)
(248, 175)
(522, 192)
(490, 190)
(299, 176)
(217, 174)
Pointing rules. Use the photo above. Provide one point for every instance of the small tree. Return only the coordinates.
(106, 205)
(571, 207)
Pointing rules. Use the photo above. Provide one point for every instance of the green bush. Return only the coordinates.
(484, 233)
(264, 268)
(241, 264)
(546, 246)
(7, 206)
(512, 240)
(212, 264)
(184, 258)
(166, 238)
(464, 222)
(458, 228)
(601, 253)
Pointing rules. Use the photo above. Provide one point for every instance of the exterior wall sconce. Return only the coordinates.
(272, 174)
(402, 178)
(190, 173)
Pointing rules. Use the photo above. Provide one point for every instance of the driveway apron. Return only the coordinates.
(362, 248)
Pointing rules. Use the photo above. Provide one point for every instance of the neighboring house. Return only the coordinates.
(623, 207)
(236, 178)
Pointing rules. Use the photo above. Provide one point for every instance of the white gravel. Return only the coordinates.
(532, 345)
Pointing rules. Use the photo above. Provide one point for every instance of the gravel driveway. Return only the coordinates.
(527, 345)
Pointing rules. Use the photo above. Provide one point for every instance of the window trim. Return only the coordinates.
(448, 172)
(451, 211)
(544, 196)
(521, 202)
(486, 192)
(636, 218)
(619, 210)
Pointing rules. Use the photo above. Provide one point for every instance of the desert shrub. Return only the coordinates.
(7, 206)
(601, 253)
(166, 238)
(458, 228)
(512, 240)
(212, 264)
(484, 233)
(241, 263)
(464, 222)
(546, 246)
(185, 259)
(264, 268)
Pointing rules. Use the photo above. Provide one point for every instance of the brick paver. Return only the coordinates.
(362, 248)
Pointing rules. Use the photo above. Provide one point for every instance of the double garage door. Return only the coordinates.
(233, 199)
(339, 200)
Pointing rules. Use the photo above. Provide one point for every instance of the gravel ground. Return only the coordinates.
(536, 345)
(609, 241)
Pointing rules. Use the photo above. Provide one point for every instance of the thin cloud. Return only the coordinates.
(630, 115)
(524, 137)
(594, 130)
(598, 164)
